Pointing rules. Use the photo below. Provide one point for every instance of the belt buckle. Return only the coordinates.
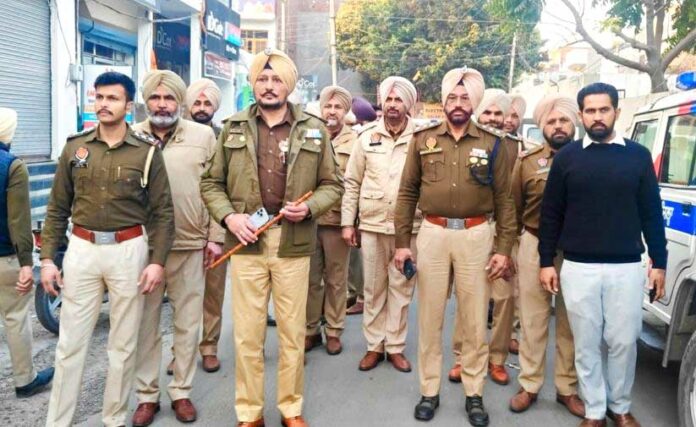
(104, 238)
(455, 224)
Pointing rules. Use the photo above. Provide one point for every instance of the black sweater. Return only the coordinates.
(597, 202)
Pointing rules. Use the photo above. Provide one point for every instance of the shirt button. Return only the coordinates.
(270, 171)
(269, 190)
(455, 146)
(270, 151)
(103, 188)
(454, 184)
(271, 133)
(454, 163)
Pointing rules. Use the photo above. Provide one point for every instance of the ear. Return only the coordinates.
(618, 113)
(129, 106)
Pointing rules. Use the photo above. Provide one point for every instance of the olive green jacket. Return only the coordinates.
(231, 183)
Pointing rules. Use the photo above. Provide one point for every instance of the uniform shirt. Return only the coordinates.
(103, 192)
(19, 212)
(343, 145)
(528, 182)
(441, 176)
(273, 170)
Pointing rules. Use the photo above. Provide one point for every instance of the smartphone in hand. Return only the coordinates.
(409, 269)
(259, 218)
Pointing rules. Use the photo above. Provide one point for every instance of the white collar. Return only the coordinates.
(617, 139)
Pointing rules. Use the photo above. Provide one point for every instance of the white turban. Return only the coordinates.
(341, 95)
(563, 104)
(496, 97)
(472, 81)
(206, 87)
(519, 105)
(169, 79)
(279, 62)
(8, 124)
(404, 89)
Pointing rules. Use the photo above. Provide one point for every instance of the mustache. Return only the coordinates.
(104, 110)
(269, 92)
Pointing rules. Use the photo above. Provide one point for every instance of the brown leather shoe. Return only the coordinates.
(573, 403)
(294, 422)
(257, 423)
(333, 345)
(184, 410)
(623, 420)
(170, 367)
(399, 362)
(211, 363)
(522, 400)
(514, 346)
(455, 374)
(370, 360)
(312, 341)
(593, 423)
(356, 308)
(498, 374)
(144, 414)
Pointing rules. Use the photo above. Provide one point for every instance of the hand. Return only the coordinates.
(50, 275)
(242, 228)
(25, 280)
(549, 280)
(400, 257)
(151, 277)
(497, 265)
(295, 213)
(211, 253)
(656, 280)
(350, 236)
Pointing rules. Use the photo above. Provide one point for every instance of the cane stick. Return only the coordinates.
(265, 227)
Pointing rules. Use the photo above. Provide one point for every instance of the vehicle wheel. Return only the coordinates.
(47, 309)
(687, 390)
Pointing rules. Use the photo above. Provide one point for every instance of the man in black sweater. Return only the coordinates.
(601, 198)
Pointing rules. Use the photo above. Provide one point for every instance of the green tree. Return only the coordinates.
(422, 39)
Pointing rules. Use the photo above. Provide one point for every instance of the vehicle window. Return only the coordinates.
(644, 133)
(679, 155)
(535, 134)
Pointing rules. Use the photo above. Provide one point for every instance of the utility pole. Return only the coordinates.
(512, 62)
(332, 27)
(283, 36)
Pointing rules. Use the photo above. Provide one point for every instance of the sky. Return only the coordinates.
(557, 25)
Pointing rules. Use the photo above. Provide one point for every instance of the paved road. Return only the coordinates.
(336, 393)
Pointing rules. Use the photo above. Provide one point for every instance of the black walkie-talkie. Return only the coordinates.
(409, 269)
(652, 294)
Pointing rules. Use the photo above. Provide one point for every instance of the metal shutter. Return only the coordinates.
(25, 73)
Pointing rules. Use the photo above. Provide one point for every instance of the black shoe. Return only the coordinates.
(270, 321)
(425, 410)
(43, 378)
(478, 417)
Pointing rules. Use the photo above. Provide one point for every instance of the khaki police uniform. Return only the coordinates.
(105, 189)
(460, 193)
(328, 271)
(528, 183)
(186, 154)
(14, 308)
(372, 184)
(278, 264)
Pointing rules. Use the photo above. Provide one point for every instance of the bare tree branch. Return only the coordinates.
(580, 28)
(633, 42)
(683, 44)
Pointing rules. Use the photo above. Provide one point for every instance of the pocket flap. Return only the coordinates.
(235, 140)
(372, 195)
(311, 146)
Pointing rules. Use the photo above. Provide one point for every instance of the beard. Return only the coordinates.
(202, 117)
(600, 133)
(164, 120)
(459, 119)
(275, 104)
(558, 140)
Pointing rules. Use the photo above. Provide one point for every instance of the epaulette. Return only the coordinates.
(425, 126)
(145, 138)
(530, 151)
(82, 133)
(367, 127)
(314, 116)
(497, 132)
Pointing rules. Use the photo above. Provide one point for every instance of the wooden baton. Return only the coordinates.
(265, 227)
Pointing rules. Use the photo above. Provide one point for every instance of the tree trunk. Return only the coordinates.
(658, 83)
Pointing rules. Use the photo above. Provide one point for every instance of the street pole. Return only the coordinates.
(283, 36)
(332, 26)
(512, 62)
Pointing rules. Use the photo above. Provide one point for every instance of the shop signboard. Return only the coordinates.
(217, 67)
(221, 32)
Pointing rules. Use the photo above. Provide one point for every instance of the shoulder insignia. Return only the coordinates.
(530, 151)
(143, 137)
(497, 132)
(425, 126)
(82, 133)
(367, 127)
(314, 116)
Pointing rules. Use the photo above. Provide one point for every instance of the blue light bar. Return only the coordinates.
(686, 80)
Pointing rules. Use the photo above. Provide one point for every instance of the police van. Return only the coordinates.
(667, 128)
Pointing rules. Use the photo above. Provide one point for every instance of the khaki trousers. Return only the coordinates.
(356, 283)
(387, 294)
(184, 275)
(328, 273)
(535, 314)
(467, 253)
(14, 313)
(256, 278)
(213, 297)
(503, 295)
(88, 270)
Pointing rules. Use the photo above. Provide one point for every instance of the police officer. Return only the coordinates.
(372, 184)
(111, 180)
(16, 277)
(267, 156)
(556, 116)
(330, 262)
(458, 175)
(187, 148)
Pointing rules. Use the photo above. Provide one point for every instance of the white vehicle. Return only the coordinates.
(668, 129)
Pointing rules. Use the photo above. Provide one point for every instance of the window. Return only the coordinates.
(679, 155)
(106, 53)
(644, 133)
(254, 41)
